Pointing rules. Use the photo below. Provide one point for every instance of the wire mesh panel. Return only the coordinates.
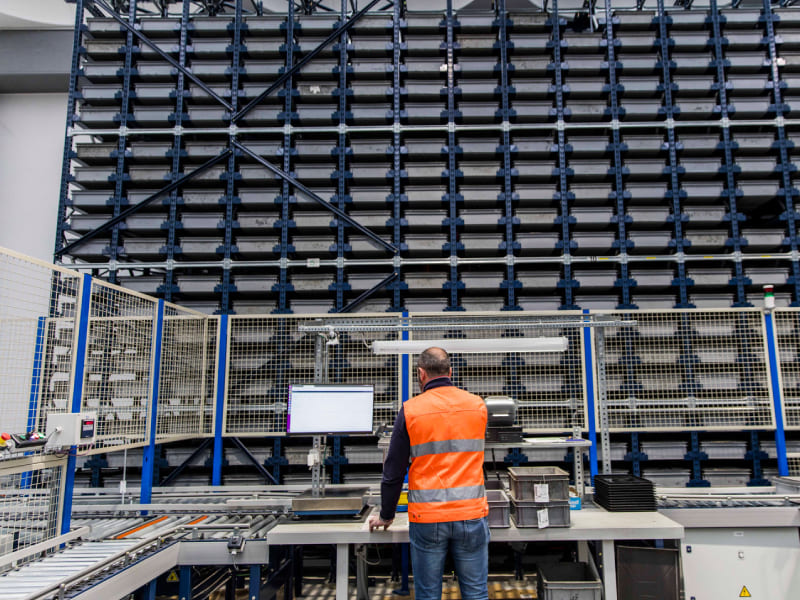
(548, 386)
(30, 502)
(210, 374)
(794, 465)
(37, 323)
(266, 354)
(687, 369)
(182, 382)
(118, 364)
(787, 331)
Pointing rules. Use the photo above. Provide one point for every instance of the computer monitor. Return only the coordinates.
(321, 409)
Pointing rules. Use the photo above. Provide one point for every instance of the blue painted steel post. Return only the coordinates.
(777, 399)
(77, 391)
(185, 583)
(254, 584)
(219, 407)
(588, 358)
(33, 403)
(405, 393)
(149, 453)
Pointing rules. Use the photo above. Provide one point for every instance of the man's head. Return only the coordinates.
(432, 363)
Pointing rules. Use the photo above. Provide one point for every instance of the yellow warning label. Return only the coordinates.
(173, 577)
(744, 593)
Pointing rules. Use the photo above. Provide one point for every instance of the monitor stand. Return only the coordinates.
(317, 501)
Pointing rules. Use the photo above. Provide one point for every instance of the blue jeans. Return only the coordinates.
(468, 541)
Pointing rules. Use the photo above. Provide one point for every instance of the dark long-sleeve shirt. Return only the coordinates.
(395, 466)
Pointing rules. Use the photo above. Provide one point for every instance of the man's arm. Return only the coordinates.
(394, 471)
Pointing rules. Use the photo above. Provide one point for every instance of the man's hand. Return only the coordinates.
(375, 522)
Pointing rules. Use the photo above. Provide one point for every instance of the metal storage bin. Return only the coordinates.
(499, 508)
(568, 581)
(523, 480)
(526, 514)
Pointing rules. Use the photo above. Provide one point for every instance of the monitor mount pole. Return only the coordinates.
(318, 449)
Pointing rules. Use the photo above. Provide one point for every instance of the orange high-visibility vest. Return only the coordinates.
(447, 428)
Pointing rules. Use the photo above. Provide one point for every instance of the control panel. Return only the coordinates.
(71, 429)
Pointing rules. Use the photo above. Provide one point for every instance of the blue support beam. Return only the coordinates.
(149, 451)
(777, 396)
(185, 583)
(33, 402)
(178, 152)
(254, 583)
(219, 405)
(679, 242)
(82, 336)
(72, 96)
(696, 456)
(756, 455)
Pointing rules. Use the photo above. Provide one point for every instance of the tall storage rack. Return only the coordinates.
(509, 159)
(469, 159)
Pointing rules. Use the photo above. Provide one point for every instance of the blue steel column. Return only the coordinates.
(82, 334)
(566, 244)
(777, 395)
(340, 286)
(453, 245)
(232, 175)
(149, 451)
(397, 198)
(72, 96)
(786, 165)
(735, 242)
(285, 199)
(507, 196)
(120, 176)
(36, 374)
(185, 583)
(622, 243)
(177, 153)
(588, 365)
(677, 217)
(219, 405)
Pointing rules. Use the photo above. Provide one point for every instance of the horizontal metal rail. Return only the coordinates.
(333, 326)
(15, 557)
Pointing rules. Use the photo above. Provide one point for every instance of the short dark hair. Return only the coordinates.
(435, 362)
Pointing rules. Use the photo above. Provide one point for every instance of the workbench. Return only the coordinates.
(588, 524)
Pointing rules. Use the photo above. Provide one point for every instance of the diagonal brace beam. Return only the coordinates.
(364, 295)
(182, 467)
(278, 83)
(143, 38)
(137, 207)
(259, 467)
(294, 182)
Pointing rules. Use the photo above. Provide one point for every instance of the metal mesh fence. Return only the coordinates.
(37, 324)
(688, 369)
(210, 374)
(794, 465)
(118, 364)
(266, 354)
(548, 386)
(182, 382)
(30, 503)
(787, 332)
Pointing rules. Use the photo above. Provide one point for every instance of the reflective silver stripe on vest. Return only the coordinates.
(445, 446)
(448, 494)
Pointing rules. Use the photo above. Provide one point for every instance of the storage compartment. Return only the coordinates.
(499, 508)
(526, 514)
(527, 482)
(568, 581)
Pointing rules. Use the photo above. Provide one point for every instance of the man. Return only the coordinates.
(442, 432)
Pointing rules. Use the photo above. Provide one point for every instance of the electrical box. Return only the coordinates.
(70, 429)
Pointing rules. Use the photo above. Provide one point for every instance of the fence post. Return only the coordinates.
(33, 403)
(78, 370)
(149, 452)
(588, 364)
(777, 399)
(219, 406)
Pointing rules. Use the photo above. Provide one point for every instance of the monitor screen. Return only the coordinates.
(329, 408)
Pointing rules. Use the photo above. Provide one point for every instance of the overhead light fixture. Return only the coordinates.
(473, 345)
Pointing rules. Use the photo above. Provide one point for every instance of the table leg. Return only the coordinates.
(342, 556)
(609, 570)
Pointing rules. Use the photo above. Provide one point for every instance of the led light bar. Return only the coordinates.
(473, 345)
